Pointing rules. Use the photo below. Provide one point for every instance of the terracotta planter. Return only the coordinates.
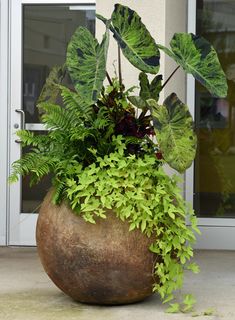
(102, 263)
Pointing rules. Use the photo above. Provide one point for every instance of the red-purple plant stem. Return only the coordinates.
(109, 79)
(119, 67)
(170, 77)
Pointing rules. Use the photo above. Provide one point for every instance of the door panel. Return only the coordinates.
(215, 118)
(211, 184)
(40, 32)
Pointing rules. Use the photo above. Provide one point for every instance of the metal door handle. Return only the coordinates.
(23, 118)
(22, 121)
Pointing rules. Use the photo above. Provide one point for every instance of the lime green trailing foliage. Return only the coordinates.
(149, 199)
(106, 146)
(187, 305)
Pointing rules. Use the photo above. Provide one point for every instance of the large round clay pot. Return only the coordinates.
(101, 264)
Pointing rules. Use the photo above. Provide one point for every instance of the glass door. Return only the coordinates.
(40, 32)
(214, 170)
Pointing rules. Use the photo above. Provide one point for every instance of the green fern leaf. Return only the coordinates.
(75, 103)
(55, 116)
(58, 191)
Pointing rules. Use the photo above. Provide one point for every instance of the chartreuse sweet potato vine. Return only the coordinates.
(149, 199)
(105, 147)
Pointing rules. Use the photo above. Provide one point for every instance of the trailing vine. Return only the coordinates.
(149, 200)
(105, 147)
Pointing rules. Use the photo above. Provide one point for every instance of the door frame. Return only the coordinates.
(4, 79)
(217, 233)
(21, 226)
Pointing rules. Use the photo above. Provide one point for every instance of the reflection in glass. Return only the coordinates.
(32, 195)
(215, 118)
(46, 33)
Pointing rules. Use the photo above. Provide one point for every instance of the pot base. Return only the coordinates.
(98, 264)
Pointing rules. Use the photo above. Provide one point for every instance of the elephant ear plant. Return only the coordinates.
(106, 147)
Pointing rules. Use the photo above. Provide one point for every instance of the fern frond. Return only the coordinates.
(55, 117)
(58, 191)
(133, 140)
(82, 133)
(103, 119)
(104, 147)
(40, 165)
(28, 138)
(74, 102)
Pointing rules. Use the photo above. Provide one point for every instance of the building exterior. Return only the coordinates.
(33, 37)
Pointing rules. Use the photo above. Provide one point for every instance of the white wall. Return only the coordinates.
(152, 14)
(162, 18)
(175, 21)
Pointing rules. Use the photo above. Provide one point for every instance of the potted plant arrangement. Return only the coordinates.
(113, 227)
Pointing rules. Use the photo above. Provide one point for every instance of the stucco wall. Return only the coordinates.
(175, 21)
(162, 18)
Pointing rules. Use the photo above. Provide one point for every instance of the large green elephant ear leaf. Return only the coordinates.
(173, 125)
(86, 63)
(134, 39)
(198, 57)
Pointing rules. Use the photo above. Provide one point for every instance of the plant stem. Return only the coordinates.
(143, 113)
(109, 79)
(170, 77)
(119, 67)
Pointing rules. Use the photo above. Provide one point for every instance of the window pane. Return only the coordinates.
(46, 33)
(215, 118)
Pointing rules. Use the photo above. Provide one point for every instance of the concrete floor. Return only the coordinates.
(26, 293)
